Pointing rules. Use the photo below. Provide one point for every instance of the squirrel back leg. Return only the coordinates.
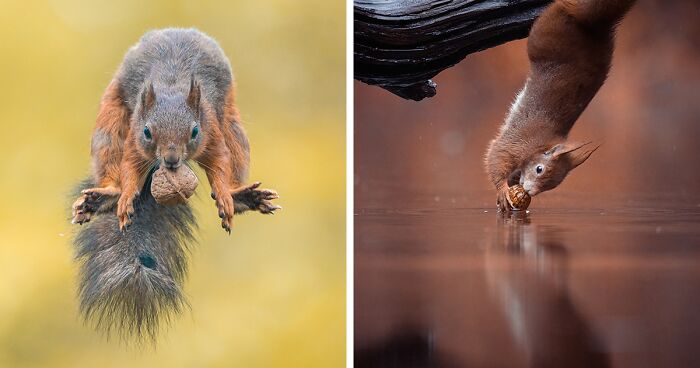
(111, 128)
(570, 48)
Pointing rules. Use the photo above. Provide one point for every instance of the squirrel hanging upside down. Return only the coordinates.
(171, 102)
(570, 48)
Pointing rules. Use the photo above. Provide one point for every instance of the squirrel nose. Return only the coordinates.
(171, 161)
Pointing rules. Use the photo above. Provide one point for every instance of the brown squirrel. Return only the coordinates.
(171, 102)
(570, 48)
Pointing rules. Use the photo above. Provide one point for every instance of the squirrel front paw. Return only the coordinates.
(89, 202)
(224, 203)
(250, 198)
(245, 198)
(502, 200)
(125, 208)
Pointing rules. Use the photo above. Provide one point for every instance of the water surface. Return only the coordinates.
(613, 284)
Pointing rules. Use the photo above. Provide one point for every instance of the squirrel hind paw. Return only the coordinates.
(80, 218)
(83, 208)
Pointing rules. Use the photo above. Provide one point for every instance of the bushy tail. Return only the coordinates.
(131, 282)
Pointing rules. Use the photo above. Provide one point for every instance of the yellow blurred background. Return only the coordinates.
(273, 293)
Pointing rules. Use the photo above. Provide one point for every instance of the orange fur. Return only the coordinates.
(110, 131)
(570, 50)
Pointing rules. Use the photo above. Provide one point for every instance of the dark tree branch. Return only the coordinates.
(401, 44)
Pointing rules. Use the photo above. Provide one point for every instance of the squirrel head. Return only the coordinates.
(169, 125)
(546, 170)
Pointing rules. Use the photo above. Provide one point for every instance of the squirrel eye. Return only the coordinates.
(539, 169)
(195, 131)
(147, 133)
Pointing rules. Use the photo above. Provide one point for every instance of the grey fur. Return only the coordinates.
(100, 139)
(131, 282)
(169, 58)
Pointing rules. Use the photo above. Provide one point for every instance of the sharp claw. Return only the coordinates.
(269, 195)
(226, 227)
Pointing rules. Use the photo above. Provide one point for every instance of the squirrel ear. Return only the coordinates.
(578, 157)
(566, 147)
(148, 97)
(194, 95)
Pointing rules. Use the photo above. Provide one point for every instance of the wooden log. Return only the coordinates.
(401, 44)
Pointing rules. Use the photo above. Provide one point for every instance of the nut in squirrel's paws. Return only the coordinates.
(517, 198)
(170, 187)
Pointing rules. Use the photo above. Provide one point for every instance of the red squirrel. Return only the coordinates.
(170, 103)
(570, 49)
(164, 108)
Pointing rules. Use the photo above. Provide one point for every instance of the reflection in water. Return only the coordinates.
(609, 287)
(409, 347)
(526, 268)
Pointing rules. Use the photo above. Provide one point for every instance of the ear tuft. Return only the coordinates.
(148, 98)
(194, 96)
(578, 157)
(566, 147)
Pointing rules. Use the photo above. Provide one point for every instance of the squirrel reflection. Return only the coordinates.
(527, 269)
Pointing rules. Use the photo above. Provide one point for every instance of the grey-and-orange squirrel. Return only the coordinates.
(570, 48)
(170, 103)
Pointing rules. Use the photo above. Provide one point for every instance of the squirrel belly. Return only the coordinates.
(170, 103)
(570, 49)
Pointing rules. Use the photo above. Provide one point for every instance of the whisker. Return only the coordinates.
(205, 166)
(146, 167)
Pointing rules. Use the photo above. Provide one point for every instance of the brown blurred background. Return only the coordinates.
(647, 116)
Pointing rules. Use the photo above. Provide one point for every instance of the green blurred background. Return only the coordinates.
(271, 294)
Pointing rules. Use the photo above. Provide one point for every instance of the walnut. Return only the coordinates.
(518, 199)
(171, 187)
